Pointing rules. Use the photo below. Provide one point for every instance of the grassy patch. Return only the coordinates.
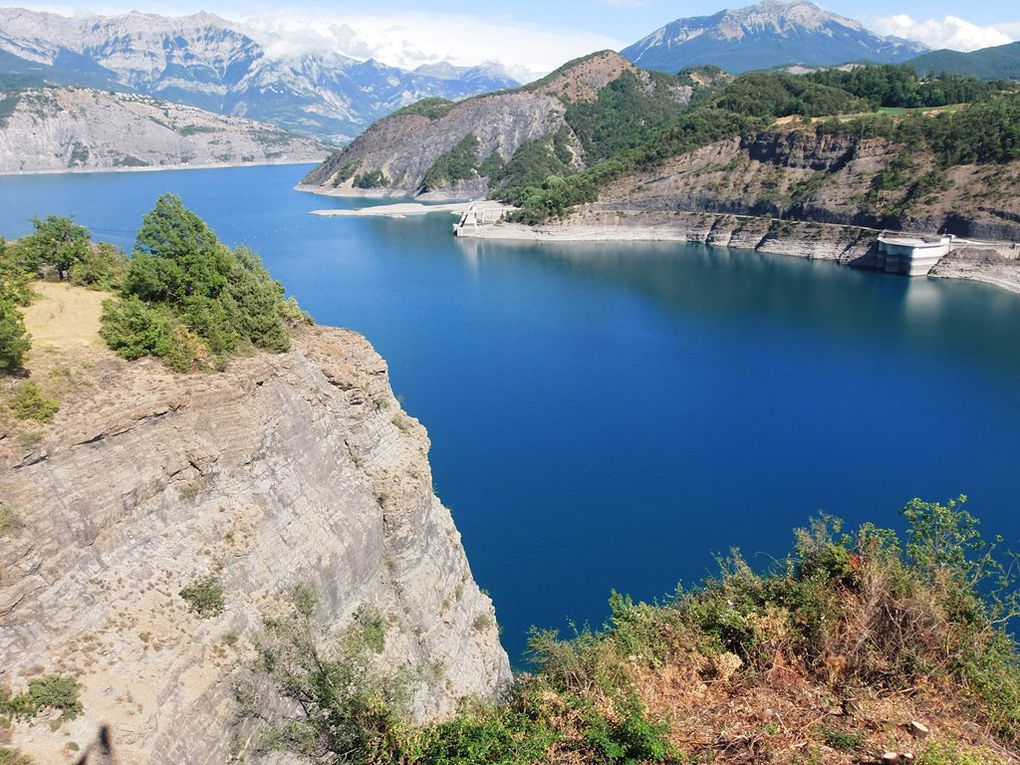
(10, 520)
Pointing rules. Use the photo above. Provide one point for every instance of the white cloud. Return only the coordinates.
(410, 39)
(950, 32)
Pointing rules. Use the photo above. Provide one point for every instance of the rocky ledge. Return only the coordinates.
(287, 469)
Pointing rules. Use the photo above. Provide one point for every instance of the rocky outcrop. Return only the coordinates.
(286, 469)
(61, 129)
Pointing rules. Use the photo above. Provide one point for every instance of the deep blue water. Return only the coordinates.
(608, 415)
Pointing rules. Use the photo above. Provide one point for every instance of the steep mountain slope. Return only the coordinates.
(205, 61)
(285, 470)
(999, 63)
(770, 34)
(558, 123)
(56, 129)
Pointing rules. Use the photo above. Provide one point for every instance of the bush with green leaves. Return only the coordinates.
(49, 692)
(870, 609)
(28, 403)
(14, 339)
(10, 756)
(205, 596)
(193, 301)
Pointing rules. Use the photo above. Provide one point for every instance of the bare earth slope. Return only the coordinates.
(60, 129)
(286, 469)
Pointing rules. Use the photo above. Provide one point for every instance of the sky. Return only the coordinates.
(531, 37)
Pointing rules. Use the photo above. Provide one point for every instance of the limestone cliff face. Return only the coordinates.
(61, 129)
(795, 174)
(287, 469)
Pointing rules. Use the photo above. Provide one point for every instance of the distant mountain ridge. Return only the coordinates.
(999, 63)
(208, 62)
(58, 129)
(770, 34)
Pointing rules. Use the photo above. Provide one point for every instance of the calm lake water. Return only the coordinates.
(610, 415)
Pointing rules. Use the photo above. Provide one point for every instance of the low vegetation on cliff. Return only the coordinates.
(856, 644)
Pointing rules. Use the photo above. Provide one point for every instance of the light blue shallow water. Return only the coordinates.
(609, 415)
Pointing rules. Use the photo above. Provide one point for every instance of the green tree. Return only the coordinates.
(55, 246)
(14, 340)
(188, 298)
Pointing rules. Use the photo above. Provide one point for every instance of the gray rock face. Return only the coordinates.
(405, 146)
(296, 468)
(59, 129)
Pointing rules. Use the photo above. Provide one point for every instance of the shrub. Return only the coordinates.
(57, 692)
(14, 340)
(205, 596)
(352, 707)
(134, 329)
(10, 520)
(9, 756)
(28, 403)
(101, 267)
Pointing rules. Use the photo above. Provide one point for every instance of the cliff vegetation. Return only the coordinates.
(856, 645)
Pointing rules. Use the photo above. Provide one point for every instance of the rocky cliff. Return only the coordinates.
(403, 148)
(797, 174)
(298, 468)
(60, 129)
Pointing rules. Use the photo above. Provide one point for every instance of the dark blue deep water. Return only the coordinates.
(609, 416)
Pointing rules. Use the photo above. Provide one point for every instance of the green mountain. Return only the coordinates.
(999, 63)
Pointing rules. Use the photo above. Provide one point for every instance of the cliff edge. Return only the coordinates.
(297, 468)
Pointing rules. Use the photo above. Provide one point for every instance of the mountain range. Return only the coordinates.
(770, 34)
(205, 61)
(999, 63)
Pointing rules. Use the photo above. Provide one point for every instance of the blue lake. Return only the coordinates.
(610, 415)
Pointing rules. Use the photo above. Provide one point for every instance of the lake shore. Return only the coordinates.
(154, 168)
(997, 264)
(346, 192)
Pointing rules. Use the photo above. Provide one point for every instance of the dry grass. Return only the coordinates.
(63, 317)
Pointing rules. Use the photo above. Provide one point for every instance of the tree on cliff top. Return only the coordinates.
(190, 299)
